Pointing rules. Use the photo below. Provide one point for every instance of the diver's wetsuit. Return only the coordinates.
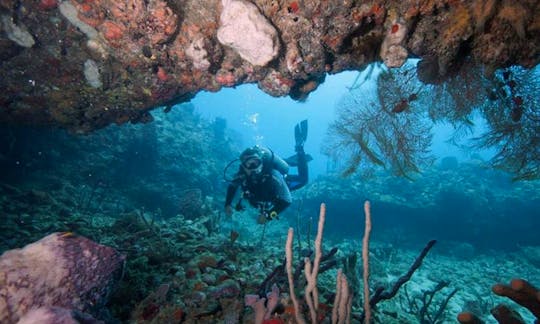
(297, 181)
(273, 185)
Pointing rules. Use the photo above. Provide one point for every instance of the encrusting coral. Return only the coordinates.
(154, 53)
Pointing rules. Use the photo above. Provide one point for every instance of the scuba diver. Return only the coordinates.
(264, 178)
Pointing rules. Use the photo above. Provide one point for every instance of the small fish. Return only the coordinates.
(234, 235)
(516, 114)
(518, 101)
(400, 106)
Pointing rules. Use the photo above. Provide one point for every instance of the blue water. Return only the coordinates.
(265, 120)
(457, 209)
(261, 119)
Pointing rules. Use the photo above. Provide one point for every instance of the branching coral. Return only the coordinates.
(513, 123)
(507, 101)
(390, 131)
(454, 100)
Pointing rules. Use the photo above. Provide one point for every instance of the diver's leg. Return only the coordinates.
(303, 173)
(297, 181)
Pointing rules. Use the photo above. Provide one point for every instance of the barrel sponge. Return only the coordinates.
(62, 270)
(248, 32)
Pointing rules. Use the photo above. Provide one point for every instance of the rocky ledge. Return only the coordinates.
(84, 64)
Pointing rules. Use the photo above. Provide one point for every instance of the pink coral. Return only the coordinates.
(263, 314)
(226, 79)
(48, 4)
(162, 74)
(111, 31)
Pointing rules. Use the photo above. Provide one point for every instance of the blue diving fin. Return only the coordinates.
(300, 133)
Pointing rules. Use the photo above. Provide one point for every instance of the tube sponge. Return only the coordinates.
(248, 32)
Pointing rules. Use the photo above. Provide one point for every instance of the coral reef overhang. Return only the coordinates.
(83, 65)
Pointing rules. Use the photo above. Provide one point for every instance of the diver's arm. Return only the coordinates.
(231, 192)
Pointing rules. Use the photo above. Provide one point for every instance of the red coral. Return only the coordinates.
(284, 81)
(111, 31)
(516, 114)
(178, 314)
(334, 41)
(518, 101)
(150, 311)
(378, 13)
(85, 7)
(191, 273)
(226, 79)
(275, 320)
(48, 4)
(293, 7)
(322, 312)
(90, 14)
(400, 106)
(162, 74)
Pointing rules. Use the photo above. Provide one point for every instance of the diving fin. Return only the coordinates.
(293, 160)
(300, 133)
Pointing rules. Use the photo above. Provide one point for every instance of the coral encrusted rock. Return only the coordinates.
(248, 32)
(83, 65)
(61, 270)
(57, 315)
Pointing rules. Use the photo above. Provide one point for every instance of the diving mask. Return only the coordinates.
(253, 165)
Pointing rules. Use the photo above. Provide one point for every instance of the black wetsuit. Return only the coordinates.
(272, 185)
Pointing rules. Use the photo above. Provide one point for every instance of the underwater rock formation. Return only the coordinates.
(61, 270)
(56, 315)
(85, 65)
